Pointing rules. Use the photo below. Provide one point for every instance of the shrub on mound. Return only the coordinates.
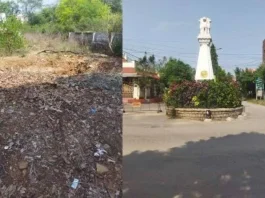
(203, 94)
(10, 36)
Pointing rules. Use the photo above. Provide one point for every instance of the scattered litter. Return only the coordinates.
(111, 160)
(100, 152)
(23, 165)
(93, 110)
(117, 193)
(55, 145)
(101, 168)
(75, 183)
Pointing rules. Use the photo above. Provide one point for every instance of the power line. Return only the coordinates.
(157, 41)
(148, 43)
(191, 53)
(246, 64)
(143, 52)
(193, 59)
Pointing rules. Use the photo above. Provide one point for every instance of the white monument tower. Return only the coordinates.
(204, 70)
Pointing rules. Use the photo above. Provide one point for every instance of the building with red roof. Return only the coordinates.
(130, 89)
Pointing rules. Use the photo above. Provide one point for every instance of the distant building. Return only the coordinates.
(251, 70)
(130, 89)
(22, 18)
(2, 17)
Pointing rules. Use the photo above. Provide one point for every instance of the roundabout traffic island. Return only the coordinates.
(204, 101)
(225, 114)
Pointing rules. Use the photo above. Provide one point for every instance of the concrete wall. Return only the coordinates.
(95, 38)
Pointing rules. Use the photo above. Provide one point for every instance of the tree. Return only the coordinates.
(214, 57)
(147, 67)
(9, 7)
(261, 72)
(176, 71)
(246, 80)
(229, 76)
(115, 22)
(161, 63)
(219, 72)
(116, 5)
(29, 6)
(221, 75)
(83, 13)
(46, 15)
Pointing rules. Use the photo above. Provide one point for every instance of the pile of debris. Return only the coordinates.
(61, 134)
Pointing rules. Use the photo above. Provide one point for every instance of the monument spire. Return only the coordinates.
(204, 70)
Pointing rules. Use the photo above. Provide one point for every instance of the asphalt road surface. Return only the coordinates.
(166, 158)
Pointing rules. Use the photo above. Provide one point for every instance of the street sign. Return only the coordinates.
(260, 93)
(259, 88)
(259, 84)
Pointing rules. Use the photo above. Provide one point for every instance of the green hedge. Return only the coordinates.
(204, 94)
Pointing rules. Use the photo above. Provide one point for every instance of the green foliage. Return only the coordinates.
(214, 57)
(245, 78)
(175, 71)
(115, 5)
(117, 48)
(146, 66)
(219, 72)
(10, 36)
(229, 76)
(29, 6)
(196, 101)
(76, 15)
(260, 72)
(205, 94)
(9, 7)
(71, 12)
(115, 22)
(47, 15)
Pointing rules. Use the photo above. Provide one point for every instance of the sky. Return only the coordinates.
(170, 28)
(50, 2)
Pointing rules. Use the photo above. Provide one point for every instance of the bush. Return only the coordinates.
(176, 71)
(11, 38)
(205, 94)
(117, 48)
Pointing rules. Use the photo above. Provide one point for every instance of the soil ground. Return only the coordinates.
(56, 111)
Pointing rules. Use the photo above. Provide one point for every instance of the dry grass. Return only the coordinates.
(37, 42)
(60, 64)
(259, 102)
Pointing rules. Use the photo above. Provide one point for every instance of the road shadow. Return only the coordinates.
(232, 166)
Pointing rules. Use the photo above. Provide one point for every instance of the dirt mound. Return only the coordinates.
(61, 63)
(60, 128)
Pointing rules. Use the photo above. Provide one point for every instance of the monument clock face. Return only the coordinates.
(204, 74)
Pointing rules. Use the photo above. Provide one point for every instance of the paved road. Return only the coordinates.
(185, 159)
